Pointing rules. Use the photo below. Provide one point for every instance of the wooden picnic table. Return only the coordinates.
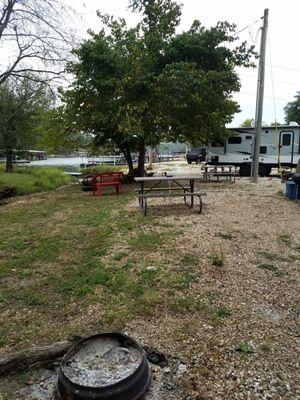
(172, 182)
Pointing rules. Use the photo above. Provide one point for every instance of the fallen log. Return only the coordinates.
(23, 359)
(7, 192)
(48, 355)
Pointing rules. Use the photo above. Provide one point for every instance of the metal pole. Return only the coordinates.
(150, 158)
(259, 100)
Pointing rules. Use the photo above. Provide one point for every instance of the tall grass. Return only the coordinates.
(33, 179)
(97, 169)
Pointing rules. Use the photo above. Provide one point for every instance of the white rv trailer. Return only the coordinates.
(281, 146)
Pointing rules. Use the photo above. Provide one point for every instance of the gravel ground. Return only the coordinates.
(253, 353)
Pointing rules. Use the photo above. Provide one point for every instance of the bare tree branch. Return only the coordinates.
(6, 13)
(35, 32)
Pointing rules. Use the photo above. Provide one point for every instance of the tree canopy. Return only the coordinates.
(138, 86)
(249, 122)
(292, 110)
(20, 108)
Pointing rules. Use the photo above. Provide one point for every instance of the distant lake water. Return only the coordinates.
(74, 161)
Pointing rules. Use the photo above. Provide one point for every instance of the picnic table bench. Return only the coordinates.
(156, 191)
(107, 179)
(231, 174)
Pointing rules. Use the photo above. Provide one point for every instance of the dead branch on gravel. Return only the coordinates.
(24, 359)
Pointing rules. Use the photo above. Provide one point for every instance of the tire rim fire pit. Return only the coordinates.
(108, 366)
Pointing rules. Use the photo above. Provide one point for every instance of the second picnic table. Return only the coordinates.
(155, 190)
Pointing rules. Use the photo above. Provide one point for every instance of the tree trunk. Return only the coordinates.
(9, 160)
(128, 158)
(141, 162)
(127, 154)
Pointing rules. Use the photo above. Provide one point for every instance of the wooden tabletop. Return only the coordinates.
(168, 178)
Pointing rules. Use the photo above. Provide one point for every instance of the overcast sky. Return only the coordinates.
(282, 47)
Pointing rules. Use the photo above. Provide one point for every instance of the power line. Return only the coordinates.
(248, 26)
(268, 97)
(271, 79)
(295, 75)
(287, 68)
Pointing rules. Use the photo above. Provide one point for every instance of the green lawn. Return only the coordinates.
(33, 179)
(72, 264)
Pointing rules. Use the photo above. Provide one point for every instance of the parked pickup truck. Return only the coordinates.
(196, 154)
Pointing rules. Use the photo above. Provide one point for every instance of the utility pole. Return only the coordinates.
(259, 100)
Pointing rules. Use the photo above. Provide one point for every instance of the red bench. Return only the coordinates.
(107, 179)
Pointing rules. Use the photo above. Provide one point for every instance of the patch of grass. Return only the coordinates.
(148, 277)
(225, 235)
(119, 256)
(146, 241)
(29, 297)
(268, 256)
(244, 347)
(181, 280)
(270, 267)
(34, 179)
(80, 281)
(128, 264)
(186, 328)
(190, 303)
(126, 224)
(218, 259)
(146, 302)
(285, 238)
(52, 265)
(223, 312)
(97, 169)
(189, 260)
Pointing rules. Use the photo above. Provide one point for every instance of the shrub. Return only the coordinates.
(97, 169)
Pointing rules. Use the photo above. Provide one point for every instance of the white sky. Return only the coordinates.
(283, 40)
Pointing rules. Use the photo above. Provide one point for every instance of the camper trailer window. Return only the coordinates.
(248, 137)
(286, 139)
(263, 150)
(235, 140)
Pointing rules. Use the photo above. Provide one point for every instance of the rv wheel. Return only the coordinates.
(268, 170)
(262, 170)
(245, 170)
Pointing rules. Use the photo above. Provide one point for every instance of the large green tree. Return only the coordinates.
(21, 105)
(139, 86)
(292, 110)
(53, 134)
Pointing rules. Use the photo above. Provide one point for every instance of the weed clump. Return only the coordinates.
(244, 347)
(218, 259)
(225, 235)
